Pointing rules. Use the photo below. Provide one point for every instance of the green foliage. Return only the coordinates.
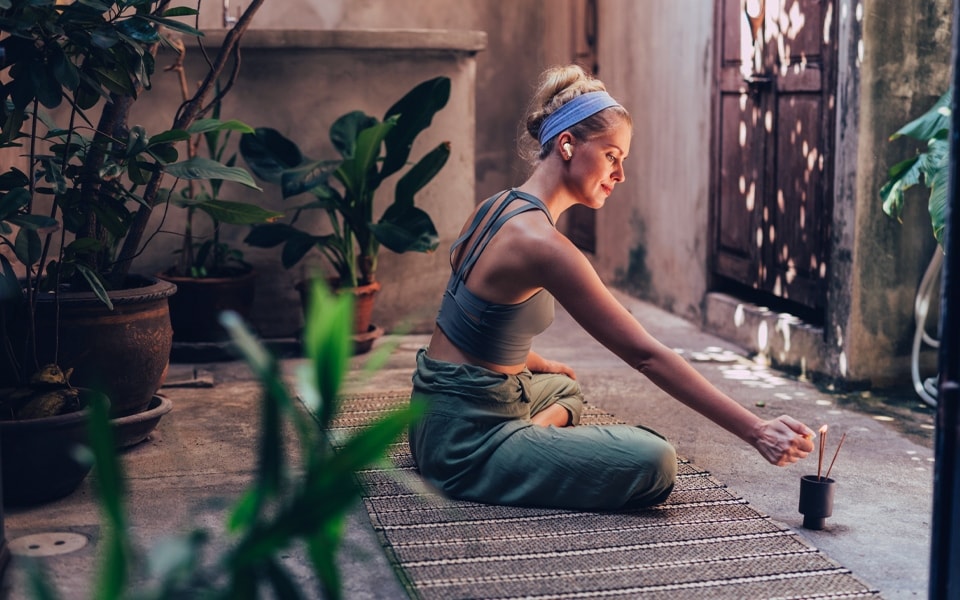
(371, 150)
(212, 257)
(281, 507)
(929, 167)
(102, 176)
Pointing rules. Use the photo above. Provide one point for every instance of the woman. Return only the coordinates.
(502, 422)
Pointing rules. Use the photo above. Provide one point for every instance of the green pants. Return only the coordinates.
(476, 442)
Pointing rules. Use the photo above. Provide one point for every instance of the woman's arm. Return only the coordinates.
(575, 284)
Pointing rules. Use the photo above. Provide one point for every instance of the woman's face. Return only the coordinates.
(596, 165)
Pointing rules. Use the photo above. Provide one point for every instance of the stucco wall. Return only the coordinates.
(656, 58)
(904, 67)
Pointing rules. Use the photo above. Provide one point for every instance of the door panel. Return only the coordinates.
(773, 140)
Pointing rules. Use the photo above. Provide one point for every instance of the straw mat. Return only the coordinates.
(703, 542)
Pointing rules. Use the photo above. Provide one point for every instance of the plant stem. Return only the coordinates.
(188, 114)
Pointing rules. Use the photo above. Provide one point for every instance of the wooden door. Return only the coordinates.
(773, 141)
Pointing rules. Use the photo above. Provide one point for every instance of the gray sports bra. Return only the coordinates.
(497, 333)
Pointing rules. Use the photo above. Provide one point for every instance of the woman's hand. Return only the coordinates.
(552, 366)
(784, 440)
(539, 364)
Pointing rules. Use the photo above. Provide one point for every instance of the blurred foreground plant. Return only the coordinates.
(282, 506)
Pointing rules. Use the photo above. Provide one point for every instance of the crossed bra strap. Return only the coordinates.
(490, 228)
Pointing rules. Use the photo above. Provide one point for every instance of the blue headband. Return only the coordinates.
(574, 111)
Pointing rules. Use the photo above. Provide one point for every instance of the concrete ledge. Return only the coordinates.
(469, 42)
(783, 339)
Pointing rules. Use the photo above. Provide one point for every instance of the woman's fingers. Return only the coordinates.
(785, 441)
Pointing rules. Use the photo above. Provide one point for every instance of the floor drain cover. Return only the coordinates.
(47, 544)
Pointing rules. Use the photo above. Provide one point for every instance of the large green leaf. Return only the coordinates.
(34, 222)
(902, 176)
(14, 178)
(65, 72)
(308, 176)
(205, 125)
(46, 87)
(358, 173)
(937, 205)
(421, 174)
(416, 110)
(346, 129)
(406, 229)
(13, 201)
(933, 123)
(174, 25)
(237, 213)
(10, 289)
(269, 153)
(200, 167)
(298, 246)
(180, 11)
(169, 136)
(95, 282)
(27, 246)
(931, 167)
(270, 235)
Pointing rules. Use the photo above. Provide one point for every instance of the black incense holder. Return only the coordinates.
(816, 500)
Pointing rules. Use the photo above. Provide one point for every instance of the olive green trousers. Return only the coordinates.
(476, 442)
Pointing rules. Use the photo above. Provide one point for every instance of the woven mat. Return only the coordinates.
(703, 542)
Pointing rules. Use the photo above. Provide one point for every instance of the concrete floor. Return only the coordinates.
(196, 458)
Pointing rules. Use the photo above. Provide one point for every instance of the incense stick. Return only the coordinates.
(823, 442)
(842, 437)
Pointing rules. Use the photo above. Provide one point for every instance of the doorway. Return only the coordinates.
(771, 193)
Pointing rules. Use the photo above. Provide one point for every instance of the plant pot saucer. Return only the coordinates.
(193, 352)
(363, 342)
(133, 429)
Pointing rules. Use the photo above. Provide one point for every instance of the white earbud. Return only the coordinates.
(568, 149)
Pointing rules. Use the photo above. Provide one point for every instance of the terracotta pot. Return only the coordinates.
(363, 295)
(195, 308)
(123, 352)
(364, 332)
(38, 456)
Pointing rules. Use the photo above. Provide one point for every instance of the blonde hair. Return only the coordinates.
(557, 86)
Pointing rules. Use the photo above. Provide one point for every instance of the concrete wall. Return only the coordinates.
(903, 64)
(656, 57)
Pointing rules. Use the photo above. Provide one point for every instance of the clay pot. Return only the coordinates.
(123, 353)
(38, 457)
(195, 308)
(364, 332)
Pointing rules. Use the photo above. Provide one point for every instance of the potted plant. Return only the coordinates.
(211, 275)
(74, 218)
(286, 504)
(931, 168)
(370, 151)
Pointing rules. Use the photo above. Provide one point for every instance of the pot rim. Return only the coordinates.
(149, 288)
(54, 422)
